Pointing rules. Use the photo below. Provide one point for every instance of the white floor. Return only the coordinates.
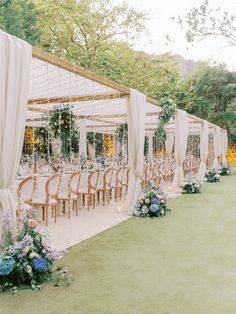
(67, 232)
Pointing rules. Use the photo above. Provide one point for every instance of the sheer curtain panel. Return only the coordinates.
(15, 58)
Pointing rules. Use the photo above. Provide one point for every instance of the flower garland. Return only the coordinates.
(168, 111)
(191, 186)
(152, 203)
(29, 261)
(122, 133)
(212, 176)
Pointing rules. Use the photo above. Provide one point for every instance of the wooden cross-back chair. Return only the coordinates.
(25, 193)
(105, 188)
(119, 183)
(90, 192)
(72, 193)
(50, 199)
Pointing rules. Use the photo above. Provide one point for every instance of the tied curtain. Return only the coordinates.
(217, 146)
(181, 139)
(224, 143)
(15, 59)
(203, 150)
(136, 115)
(169, 143)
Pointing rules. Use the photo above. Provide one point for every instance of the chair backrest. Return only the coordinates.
(156, 170)
(148, 171)
(93, 180)
(26, 188)
(162, 168)
(119, 176)
(126, 176)
(75, 182)
(52, 186)
(107, 178)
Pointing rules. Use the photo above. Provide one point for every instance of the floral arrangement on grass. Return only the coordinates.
(191, 186)
(29, 261)
(224, 171)
(152, 203)
(212, 176)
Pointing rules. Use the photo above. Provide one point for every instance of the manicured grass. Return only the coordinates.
(184, 263)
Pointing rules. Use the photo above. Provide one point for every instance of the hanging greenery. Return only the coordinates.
(62, 123)
(42, 134)
(96, 139)
(122, 133)
(168, 111)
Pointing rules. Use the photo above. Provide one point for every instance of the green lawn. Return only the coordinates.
(184, 263)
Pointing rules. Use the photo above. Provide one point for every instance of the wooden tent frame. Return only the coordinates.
(122, 91)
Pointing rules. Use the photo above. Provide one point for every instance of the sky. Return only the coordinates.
(160, 24)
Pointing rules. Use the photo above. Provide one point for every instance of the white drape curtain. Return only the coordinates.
(15, 58)
(136, 115)
(203, 150)
(224, 146)
(181, 138)
(217, 147)
(169, 143)
(82, 137)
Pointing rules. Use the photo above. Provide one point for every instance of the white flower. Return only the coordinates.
(33, 255)
(26, 249)
(147, 200)
(28, 269)
(144, 210)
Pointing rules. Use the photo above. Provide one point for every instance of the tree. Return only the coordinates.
(202, 22)
(19, 17)
(79, 29)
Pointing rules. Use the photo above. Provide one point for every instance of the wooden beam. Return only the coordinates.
(53, 100)
(60, 63)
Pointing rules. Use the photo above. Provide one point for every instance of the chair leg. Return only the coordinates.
(43, 210)
(94, 200)
(46, 214)
(88, 202)
(55, 213)
(104, 197)
(69, 207)
(98, 193)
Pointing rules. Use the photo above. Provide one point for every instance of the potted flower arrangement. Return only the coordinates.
(29, 261)
(191, 186)
(212, 176)
(224, 171)
(152, 203)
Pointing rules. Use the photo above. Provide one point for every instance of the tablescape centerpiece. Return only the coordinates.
(191, 186)
(152, 202)
(224, 170)
(29, 261)
(212, 176)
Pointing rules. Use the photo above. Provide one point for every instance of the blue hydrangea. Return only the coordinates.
(154, 208)
(156, 201)
(6, 266)
(39, 264)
